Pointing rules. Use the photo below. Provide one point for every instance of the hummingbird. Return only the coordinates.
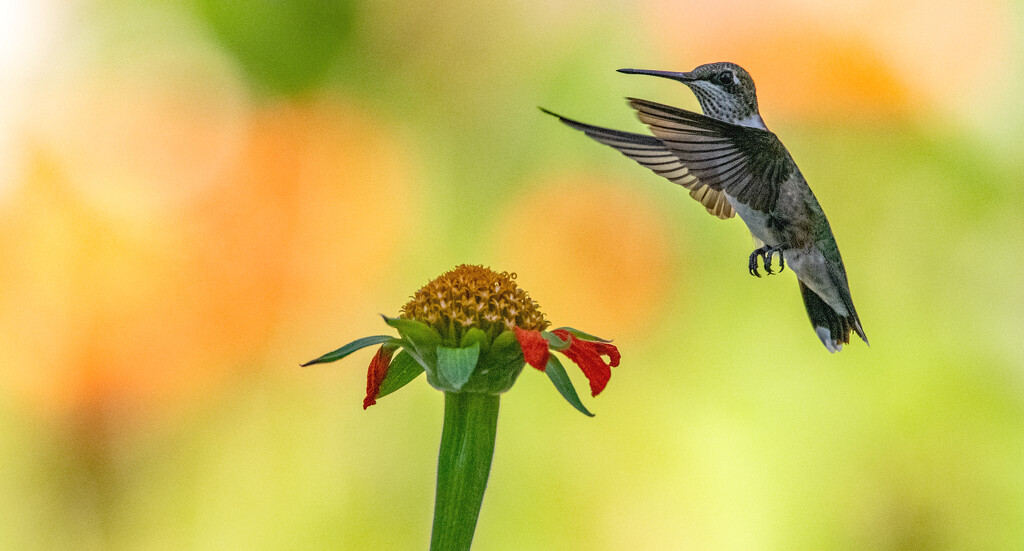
(732, 164)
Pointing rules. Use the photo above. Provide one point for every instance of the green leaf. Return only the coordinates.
(582, 335)
(564, 386)
(455, 365)
(402, 372)
(554, 342)
(350, 348)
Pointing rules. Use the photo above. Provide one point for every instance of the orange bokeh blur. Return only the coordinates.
(590, 253)
(120, 311)
(861, 61)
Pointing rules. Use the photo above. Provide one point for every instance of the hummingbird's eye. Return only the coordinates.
(724, 78)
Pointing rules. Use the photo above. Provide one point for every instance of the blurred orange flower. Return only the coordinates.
(570, 226)
(862, 59)
(109, 311)
(801, 68)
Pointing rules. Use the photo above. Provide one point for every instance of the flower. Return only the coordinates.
(474, 296)
(473, 330)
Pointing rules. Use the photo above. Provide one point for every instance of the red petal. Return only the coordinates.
(587, 355)
(375, 375)
(535, 347)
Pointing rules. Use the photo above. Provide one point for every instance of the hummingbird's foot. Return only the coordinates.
(766, 253)
(753, 261)
(768, 260)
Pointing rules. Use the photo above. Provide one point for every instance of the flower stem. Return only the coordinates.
(463, 465)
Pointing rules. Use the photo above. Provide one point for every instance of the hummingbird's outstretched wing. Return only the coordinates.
(652, 153)
(749, 164)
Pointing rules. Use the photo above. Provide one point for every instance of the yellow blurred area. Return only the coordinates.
(196, 197)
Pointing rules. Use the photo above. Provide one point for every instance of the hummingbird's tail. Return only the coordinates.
(833, 330)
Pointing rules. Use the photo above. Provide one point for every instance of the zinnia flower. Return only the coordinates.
(473, 330)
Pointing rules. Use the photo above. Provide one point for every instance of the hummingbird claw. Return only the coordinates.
(769, 255)
(766, 254)
(753, 261)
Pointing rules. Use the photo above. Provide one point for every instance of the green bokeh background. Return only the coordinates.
(727, 426)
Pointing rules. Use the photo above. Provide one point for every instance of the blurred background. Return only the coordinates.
(196, 196)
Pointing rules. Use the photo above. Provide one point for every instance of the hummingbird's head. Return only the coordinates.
(725, 91)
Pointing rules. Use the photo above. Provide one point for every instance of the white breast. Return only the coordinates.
(756, 221)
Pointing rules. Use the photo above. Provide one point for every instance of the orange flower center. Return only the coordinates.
(474, 296)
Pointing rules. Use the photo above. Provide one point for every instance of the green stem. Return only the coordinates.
(463, 464)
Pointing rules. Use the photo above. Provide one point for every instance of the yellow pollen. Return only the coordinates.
(474, 296)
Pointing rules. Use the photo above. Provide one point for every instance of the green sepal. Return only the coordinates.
(554, 342)
(352, 347)
(582, 335)
(404, 368)
(505, 343)
(414, 331)
(564, 386)
(418, 338)
(505, 352)
(498, 367)
(475, 335)
(455, 365)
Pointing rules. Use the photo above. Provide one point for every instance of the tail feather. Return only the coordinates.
(833, 330)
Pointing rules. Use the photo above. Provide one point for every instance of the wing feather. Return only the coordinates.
(654, 154)
(748, 164)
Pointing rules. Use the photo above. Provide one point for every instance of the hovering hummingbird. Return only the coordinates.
(733, 164)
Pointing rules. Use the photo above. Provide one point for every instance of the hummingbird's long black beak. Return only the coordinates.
(681, 77)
